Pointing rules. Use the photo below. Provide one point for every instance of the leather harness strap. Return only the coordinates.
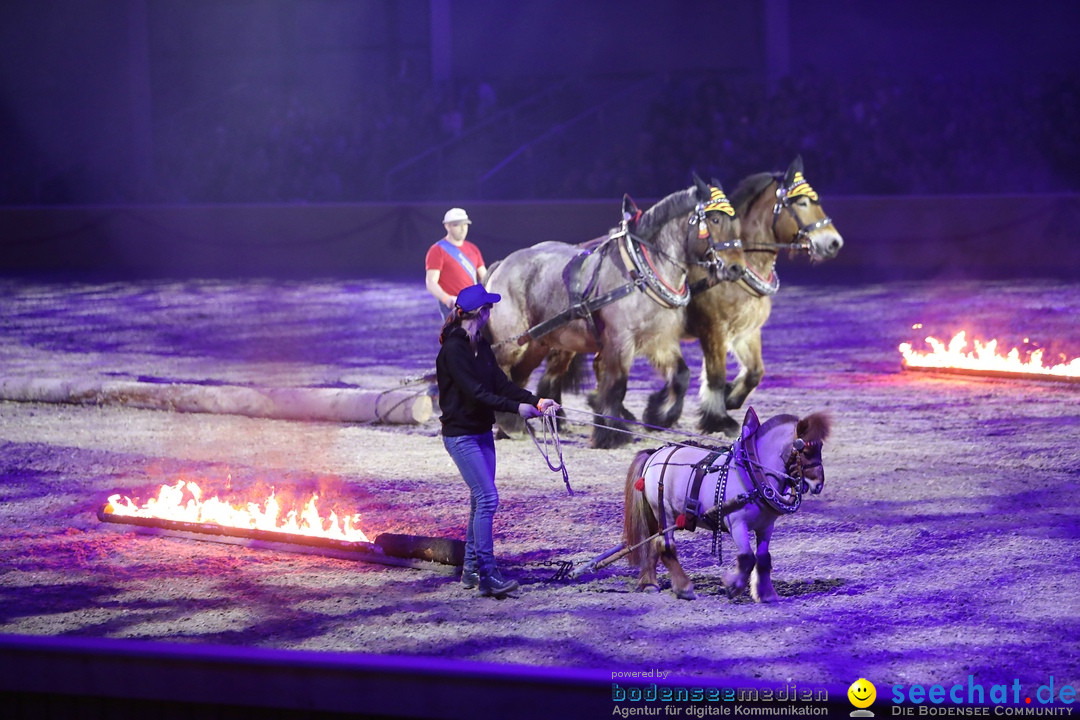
(694, 509)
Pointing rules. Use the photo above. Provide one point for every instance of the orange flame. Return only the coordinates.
(984, 358)
(184, 502)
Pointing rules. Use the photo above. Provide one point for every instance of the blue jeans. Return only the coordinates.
(474, 456)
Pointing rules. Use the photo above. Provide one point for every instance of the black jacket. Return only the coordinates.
(473, 387)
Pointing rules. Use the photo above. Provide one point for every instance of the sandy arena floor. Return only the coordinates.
(943, 546)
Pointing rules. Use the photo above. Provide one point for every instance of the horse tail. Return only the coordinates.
(637, 513)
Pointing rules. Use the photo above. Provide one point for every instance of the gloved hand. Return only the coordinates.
(528, 411)
(547, 404)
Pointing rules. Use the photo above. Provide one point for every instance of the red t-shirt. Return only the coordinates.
(452, 277)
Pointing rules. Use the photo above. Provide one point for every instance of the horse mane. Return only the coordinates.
(814, 428)
(674, 204)
(749, 188)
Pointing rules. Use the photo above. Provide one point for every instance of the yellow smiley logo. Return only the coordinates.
(862, 693)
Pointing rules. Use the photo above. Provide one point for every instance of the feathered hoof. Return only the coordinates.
(732, 587)
(764, 595)
(661, 411)
(724, 424)
(607, 439)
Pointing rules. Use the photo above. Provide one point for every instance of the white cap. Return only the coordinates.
(454, 215)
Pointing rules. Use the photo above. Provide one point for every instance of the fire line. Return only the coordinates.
(984, 360)
(388, 548)
(180, 510)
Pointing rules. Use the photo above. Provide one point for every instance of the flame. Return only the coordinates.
(184, 502)
(984, 358)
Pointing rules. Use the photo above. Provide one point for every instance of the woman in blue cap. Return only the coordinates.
(472, 387)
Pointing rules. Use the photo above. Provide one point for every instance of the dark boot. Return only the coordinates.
(469, 579)
(495, 585)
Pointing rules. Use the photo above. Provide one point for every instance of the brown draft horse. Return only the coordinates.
(739, 490)
(777, 211)
(619, 297)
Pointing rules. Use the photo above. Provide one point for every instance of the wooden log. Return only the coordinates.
(441, 550)
(397, 406)
(402, 548)
(257, 539)
(973, 372)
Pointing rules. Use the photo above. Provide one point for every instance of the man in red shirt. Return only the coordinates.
(453, 263)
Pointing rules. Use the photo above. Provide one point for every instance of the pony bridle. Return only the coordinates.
(804, 455)
(801, 241)
(790, 488)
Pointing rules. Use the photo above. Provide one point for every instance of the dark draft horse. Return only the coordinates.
(739, 490)
(777, 211)
(620, 297)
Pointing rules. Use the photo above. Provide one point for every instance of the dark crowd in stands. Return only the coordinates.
(858, 136)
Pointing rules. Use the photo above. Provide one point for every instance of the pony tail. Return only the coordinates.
(453, 319)
(637, 514)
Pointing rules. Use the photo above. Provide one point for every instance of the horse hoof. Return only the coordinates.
(734, 591)
(724, 424)
(642, 587)
(767, 598)
(609, 440)
(685, 595)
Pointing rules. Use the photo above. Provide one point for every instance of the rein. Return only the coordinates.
(549, 425)
(701, 439)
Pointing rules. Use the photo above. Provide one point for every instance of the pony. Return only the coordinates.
(740, 489)
(776, 211)
(620, 297)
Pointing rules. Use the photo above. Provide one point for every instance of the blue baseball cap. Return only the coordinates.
(475, 297)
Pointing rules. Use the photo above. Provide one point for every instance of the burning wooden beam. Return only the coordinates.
(388, 549)
(992, 373)
(985, 361)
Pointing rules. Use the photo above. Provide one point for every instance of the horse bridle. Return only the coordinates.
(710, 259)
(801, 241)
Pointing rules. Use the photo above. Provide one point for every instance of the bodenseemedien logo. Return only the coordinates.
(862, 694)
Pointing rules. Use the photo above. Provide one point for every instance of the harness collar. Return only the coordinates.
(637, 262)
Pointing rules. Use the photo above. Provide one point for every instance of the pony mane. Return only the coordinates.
(749, 188)
(674, 204)
(767, 426)
(815, 427)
